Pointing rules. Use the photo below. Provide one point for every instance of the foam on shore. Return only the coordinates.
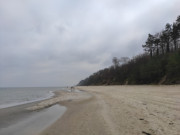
(60, 96)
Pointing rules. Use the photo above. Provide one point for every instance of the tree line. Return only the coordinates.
(159, 64)
(165, 41)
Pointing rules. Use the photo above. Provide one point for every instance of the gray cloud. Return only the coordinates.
(60, 42)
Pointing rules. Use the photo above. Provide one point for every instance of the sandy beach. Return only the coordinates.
(106, 110)
(121, 110)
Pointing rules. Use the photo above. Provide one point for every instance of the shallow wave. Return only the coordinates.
(50, 94)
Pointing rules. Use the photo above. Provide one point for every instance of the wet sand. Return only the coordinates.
(34, 124)
(121, 110)
(32, 118)
(11, 115)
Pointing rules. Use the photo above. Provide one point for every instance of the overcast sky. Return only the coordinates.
(60, 42)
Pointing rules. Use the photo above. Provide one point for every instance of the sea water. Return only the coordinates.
(16, 96)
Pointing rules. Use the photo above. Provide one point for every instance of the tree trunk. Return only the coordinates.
(157, 52)
(151, 53)
(162, 50)
(167, 47)
(175, 45)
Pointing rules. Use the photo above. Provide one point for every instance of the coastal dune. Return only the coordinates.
(121, 110)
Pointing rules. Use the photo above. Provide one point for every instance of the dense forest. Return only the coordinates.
(160, 63)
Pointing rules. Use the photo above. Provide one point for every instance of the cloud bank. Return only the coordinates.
(60, 42)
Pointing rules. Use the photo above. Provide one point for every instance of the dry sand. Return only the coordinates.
(121, 110)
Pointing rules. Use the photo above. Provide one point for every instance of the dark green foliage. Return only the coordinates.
(165, 41)
(160, 63)
(173, 67)
(140, 70)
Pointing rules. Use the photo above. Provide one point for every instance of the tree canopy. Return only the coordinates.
(160, 62)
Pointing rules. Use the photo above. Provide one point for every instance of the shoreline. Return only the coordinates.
(108, 110)
(127, 110)
(4, 106)
(11, 115)
(17, 114)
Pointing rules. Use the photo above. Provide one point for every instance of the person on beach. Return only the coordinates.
(72, 88)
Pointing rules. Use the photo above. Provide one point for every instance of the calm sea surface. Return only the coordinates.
(16, 96)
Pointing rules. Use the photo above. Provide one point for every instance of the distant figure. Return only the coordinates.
(72, 89)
